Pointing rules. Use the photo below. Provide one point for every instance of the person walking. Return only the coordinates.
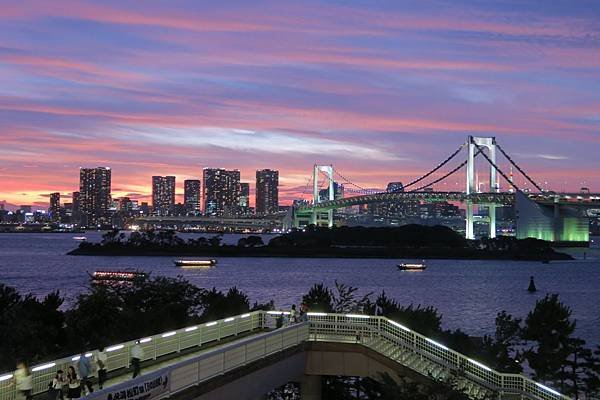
(84, 367)
(101, 360)
(137, 354)
(55, 391)
(23, 381)
(293, 315)
(74, 391)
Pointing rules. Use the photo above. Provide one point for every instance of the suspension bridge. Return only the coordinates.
(542, 214)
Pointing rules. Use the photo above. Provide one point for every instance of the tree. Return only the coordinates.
(425, 320)
(500, 351)
(319, 298)
(250, 241)
(549, 327)
(341, 300)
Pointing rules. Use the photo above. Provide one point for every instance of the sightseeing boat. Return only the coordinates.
(195, 263)
(79, 238)
(116, 276)
(412, 266)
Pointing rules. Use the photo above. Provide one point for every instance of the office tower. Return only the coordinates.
(54, 209)
(76, 207)
(221, 191)
(94, 195)
(267, 191)
(191, 195)
(163, 194)
(338, 192)
(244, 198)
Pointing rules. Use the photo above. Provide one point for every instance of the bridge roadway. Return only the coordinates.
(244, 357)
(504, 198)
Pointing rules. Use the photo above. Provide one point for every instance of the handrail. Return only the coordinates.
(371, 331)
(324, 325)
(118, 355)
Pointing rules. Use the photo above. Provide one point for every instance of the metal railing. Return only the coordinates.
(387, 337)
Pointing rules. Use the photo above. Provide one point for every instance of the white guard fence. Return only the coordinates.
(382, 335)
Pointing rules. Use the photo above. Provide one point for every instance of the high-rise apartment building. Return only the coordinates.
(267, 191)
(94, 195)
(54, 209)
(191, 195)
(221, 191)
(163, 194)
(244, 198)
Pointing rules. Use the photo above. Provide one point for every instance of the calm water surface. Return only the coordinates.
(469, 294)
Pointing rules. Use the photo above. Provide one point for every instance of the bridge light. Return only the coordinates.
(357, 316)
(113, 348)
(479, 364)
(548, 389)
(169, 334)
(441, 346)
(398, 325)
(5, 377)
(43, 366)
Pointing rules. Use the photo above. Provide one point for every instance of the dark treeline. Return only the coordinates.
(543, 342)
(406, 241)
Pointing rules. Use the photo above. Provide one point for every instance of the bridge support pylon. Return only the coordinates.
(488, 143)
(328, 170)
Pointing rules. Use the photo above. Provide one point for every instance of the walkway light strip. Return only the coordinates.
(399, 325)
(228, 319)
(244, 315)
(43, 366)
(117, 347)
(146, 340)
(191, 328)
(357, 316)
(5, 377)
(76, 358)
(316, 314)
(548, 389)
(169, 334)
(479, 364)
(211, 323)
(441, 346)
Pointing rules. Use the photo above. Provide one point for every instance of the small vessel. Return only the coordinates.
(412, 266)
(116, 276)
(195, 263)
(80, 238)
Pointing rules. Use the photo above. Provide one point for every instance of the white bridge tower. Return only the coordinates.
(328, 171)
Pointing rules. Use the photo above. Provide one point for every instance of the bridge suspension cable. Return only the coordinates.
(440, 165)
(445, 176)
(538, 187)
(346, 180)
(480, 150)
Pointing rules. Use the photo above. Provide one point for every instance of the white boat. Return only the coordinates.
(412, 266)
(80, 238)
(195, 263)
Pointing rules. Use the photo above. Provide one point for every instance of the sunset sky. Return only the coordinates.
(383, 90)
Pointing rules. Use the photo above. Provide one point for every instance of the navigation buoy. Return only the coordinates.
(531, 287)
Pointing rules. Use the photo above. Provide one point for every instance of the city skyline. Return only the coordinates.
(381, 91)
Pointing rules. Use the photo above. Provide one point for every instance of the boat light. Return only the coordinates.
(145, 340)
(169, 334)
(479, 364)
(211, 323)
(228, 319)
(191, 328)
(113, 348)
(441, 346)
(5, 377)
(548, 389)
(43, 366)
(316, 314)
(399, 325)
(357, 316)
(244, 315)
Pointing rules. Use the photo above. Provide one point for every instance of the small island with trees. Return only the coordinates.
(409, 241)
